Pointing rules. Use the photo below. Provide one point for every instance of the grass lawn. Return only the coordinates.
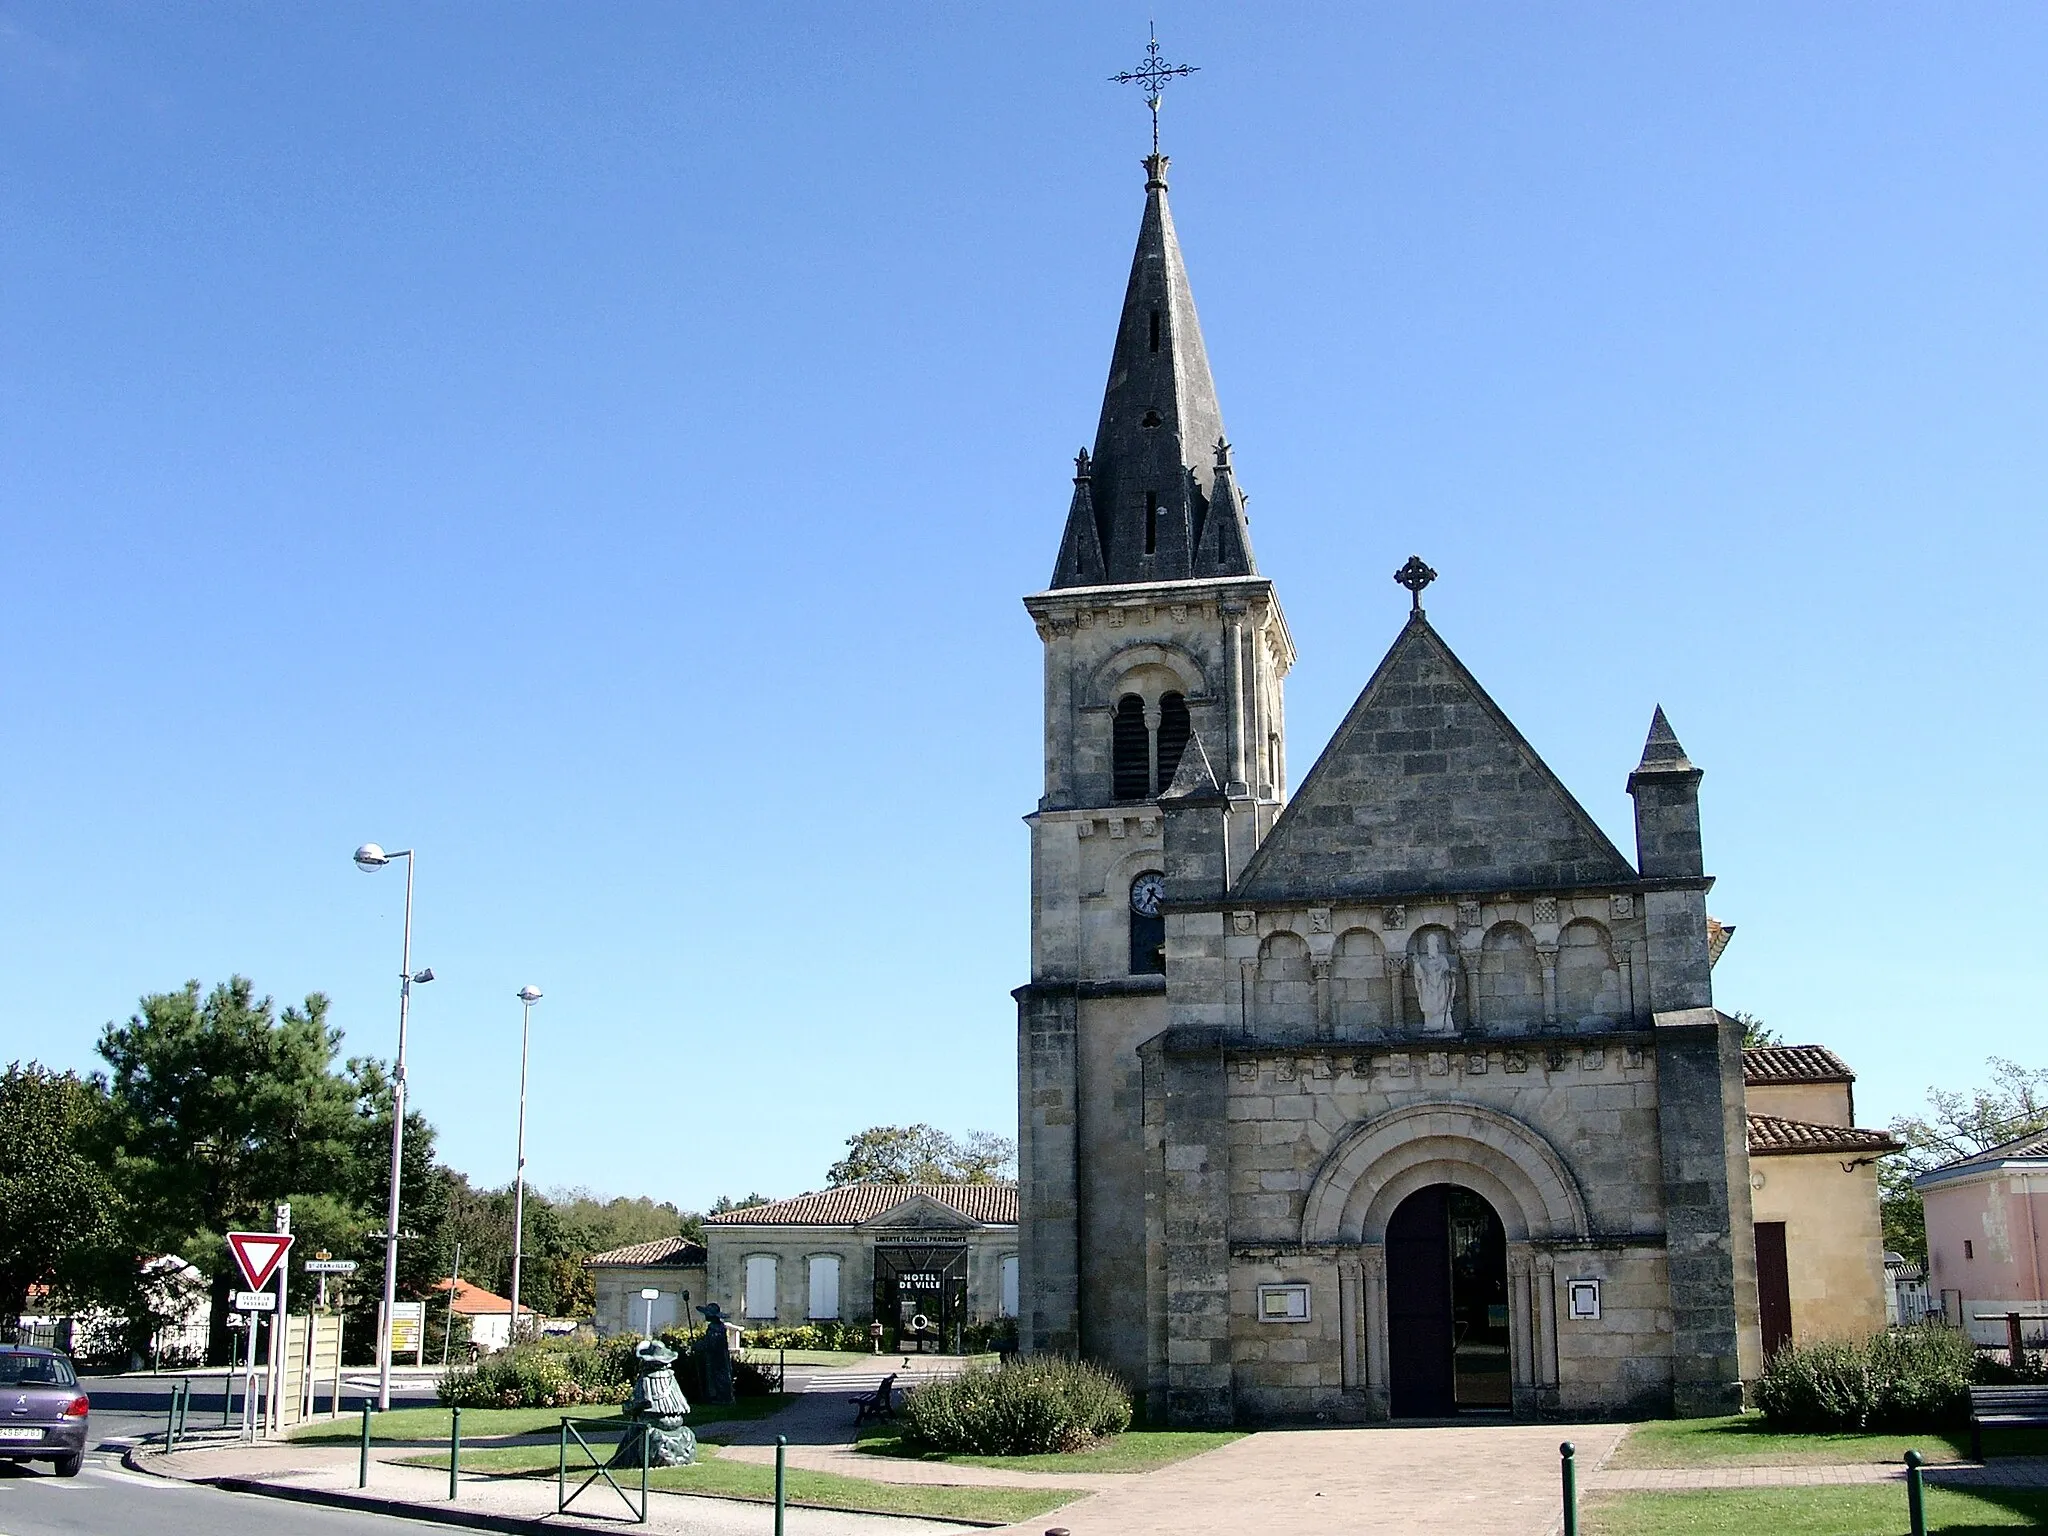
(831, 1359)
(402, 1425)
(1745, 1440)
(749, 1480)
(1136, 1450)
(1876, 1511)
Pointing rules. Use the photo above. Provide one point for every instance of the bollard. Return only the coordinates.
(1570, 1468)
(781, 1450)
(1916, 1495)
(454, 1448)
(363, 1467)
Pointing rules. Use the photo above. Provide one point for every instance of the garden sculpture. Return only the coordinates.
(715, 1349)
(656, 1411)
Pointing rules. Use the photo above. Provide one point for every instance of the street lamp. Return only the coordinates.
(369, 859)
(528, 995)
(650, 1296)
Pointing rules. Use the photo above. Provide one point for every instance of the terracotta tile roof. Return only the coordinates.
(1770, 1064)
(1770, 1133)
(851, 1204)
(663, 1252)
(475, 1301)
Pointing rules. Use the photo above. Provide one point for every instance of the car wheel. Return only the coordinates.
(68, 1466)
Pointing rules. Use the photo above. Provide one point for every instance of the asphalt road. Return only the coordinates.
(107, 1500)
(125, 1408)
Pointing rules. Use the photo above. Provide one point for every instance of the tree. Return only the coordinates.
(1956, 1125)
(1755, 1032)
(63, 1215)
(219, 1108)
(923, 1154)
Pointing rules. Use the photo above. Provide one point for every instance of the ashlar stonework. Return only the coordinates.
(1399, 1091)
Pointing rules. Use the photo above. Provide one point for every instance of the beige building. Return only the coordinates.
(1814, 1197)
(927, 1260)
(672, 1267)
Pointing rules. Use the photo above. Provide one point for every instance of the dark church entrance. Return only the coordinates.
(1447, 1305)
(921, 1296)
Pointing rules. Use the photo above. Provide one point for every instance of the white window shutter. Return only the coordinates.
(1009, 1285)
(825, 1287)
(759, 1300)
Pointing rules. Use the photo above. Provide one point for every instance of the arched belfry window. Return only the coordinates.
(1146, 744)
(1173, 739)
(1131, 750)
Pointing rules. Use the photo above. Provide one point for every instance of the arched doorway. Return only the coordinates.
(1447, 1304)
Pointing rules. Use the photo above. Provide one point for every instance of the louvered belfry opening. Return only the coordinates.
(1130, 750)
(1173, 737)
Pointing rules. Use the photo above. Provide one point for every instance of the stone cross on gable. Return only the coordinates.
(1415, 576)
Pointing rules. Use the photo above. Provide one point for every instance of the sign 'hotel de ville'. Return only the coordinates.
(1395, 1091)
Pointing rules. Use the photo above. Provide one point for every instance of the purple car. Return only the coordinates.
(43, 1414)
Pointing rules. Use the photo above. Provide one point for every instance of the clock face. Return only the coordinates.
(1146, 891)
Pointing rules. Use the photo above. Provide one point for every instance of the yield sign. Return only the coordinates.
(258, 1254)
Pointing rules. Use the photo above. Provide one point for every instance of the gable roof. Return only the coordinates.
(851, 1204)
(475, 1301)
(1774, 1133)
(1428, 788)
(1774, 1065)
(2030, 1148)
(662, 1253)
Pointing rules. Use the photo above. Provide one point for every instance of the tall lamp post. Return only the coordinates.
(528, 996)
(369, 859)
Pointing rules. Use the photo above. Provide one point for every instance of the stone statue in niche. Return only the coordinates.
(1436, 985)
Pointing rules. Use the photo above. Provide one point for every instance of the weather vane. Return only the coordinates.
(1153, 75)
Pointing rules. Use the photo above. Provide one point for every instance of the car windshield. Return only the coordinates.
(35, 1371)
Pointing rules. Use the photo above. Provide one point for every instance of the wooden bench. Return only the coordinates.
(2005, 1408)
(878, 1404)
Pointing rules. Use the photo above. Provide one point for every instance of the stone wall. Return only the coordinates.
(793, 1247)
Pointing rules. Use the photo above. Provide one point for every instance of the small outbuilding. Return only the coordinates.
(672, 1267)
(1987, 1238)
(489, 1314)
(1813, 1195)
(927, 1261)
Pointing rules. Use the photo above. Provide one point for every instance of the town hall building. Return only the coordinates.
(1397, 1091)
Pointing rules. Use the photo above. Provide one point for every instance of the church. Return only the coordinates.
(1398, 1091)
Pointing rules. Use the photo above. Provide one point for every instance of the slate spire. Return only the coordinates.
(1661, 751)
(1162, 498)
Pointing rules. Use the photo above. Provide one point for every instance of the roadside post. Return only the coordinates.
(454, 1449)
(781, 1452)
(363, 1466)
(260, 1258)
(1566, 1456)
(280, 1330)
(1916, 1495)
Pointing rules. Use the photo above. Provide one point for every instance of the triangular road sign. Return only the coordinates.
(258, 1254)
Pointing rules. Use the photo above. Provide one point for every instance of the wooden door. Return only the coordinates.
(1773, 1287)
(1419, 1332)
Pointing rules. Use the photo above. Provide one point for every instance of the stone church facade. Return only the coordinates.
(1399, 1091)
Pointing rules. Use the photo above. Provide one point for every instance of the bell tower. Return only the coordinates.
(1161, 640)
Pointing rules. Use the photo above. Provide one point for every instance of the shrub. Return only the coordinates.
(838, 1333)
(749, 1378)
(546, 1374)
(998, 1337)
(1024, 1408)
(1906, 1378)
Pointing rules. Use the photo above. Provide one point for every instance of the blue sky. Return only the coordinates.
(604, 449)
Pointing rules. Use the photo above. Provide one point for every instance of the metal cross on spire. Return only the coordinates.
(1153, 75)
